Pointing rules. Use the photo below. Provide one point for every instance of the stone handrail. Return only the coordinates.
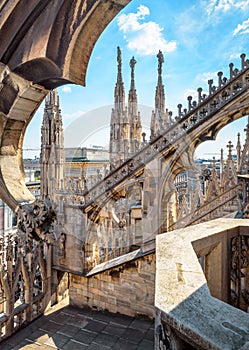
(187, 120)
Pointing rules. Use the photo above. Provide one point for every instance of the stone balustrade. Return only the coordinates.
(200, 269)
(211, 209)
(25, 279)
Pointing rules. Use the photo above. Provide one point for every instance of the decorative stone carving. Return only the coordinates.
(62, 242)
(36, 220)
(165, 338)
(239, 293)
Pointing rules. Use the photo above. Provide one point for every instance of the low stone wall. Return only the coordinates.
(188, 313)
(127, 289)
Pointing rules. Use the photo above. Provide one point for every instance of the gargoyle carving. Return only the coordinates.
(36, 220)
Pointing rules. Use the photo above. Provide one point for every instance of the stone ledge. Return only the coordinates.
(120, 260)
(182, 297)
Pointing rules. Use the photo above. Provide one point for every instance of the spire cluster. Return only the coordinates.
(126, 128)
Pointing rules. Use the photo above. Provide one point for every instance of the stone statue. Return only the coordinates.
(132, 62)
(62, 241)
(160, 61)
(119, 56)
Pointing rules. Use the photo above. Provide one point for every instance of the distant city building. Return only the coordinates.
(7, 220)
(32, 170)
(84, 161)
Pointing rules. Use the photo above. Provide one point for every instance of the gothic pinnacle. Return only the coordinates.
(238, 141)
(230, 147)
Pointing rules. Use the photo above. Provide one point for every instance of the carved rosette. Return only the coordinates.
(35, 221)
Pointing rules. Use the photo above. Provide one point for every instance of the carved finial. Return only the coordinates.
(160, 61)
(230, 147)
(199, 90)
(211, 87)
(238, 147)
(179, 106)
(189, 98)
(214, 163)
(231, 65)
(243, 62)
(238, 142)
(144, 136)
(220, 78)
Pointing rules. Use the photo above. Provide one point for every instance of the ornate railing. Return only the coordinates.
(38, 305)
(18, 259)
(20, 316)
(239, 264)
(3, 326)
(187, 120)
(210, 209)
(220, 203)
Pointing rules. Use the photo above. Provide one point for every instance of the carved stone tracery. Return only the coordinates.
(239, 282)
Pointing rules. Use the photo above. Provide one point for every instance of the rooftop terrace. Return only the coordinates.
(66, 327)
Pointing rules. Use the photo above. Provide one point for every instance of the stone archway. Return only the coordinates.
(44, 44)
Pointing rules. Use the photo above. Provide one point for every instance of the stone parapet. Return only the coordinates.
(187, 313)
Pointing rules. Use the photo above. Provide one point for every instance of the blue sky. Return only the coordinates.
(198, 39)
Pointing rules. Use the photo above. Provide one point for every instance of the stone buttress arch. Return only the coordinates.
(183, 158)
(44, 44)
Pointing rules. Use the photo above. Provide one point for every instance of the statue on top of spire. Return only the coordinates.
(132, 65)
(119, 56)
(160, 61)
(132, 62)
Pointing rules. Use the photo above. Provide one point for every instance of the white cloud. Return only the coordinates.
(235, 55)
(242, 28)
(66, 89)
(225, 5)
(201, 80)
(190, 92)
(204, 77)
(74, 115)
(144, 38)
